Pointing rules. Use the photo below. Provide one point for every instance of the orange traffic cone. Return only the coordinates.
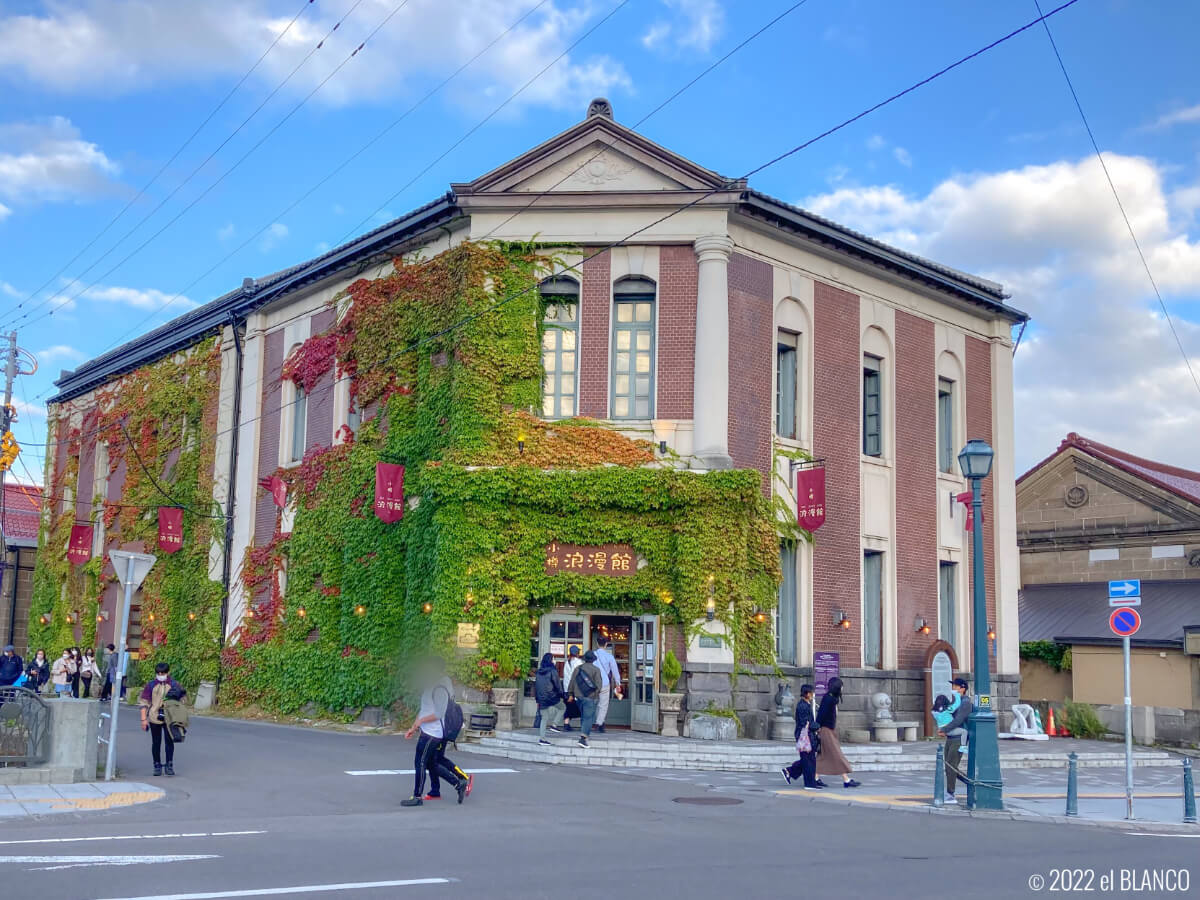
(1050, 727)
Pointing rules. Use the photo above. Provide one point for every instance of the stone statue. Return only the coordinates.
(883, 707)
(785, 700)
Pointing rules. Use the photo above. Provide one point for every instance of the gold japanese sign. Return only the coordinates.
(607, 559)
(468, 635)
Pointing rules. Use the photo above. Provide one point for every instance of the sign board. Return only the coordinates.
(826, 665)
(606, 559)
(983, 701)
(941, 673)
(468, 635)
(710, 642)
(1127, 592)
(1124, 621)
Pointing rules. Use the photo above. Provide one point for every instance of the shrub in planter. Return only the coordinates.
(672, 671)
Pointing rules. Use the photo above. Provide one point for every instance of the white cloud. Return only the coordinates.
(1098, 357)
(273, 237)
(322, 247)
(138, 298)
(4, 212)
(903, 157)
(876, 142)
(28, 410)
(1186, 116)
(226, 232)
(694, 25)
(59, 351)
(117, 46)
(10, 291)
(47, 160)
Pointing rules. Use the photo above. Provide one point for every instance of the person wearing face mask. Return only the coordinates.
(87, 671)
(154, 695)
(77, 658)
(12, 667)
(38, 672)
(61, 672)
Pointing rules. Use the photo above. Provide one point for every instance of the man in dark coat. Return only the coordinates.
(955, 733)
(548, 690)
(12, 667)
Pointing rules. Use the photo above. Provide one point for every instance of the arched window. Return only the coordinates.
(560, 337)
(633, 349)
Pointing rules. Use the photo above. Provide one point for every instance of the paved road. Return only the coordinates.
(258, 809)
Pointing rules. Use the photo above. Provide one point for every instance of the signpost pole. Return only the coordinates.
(110, 765)
(1128, 733)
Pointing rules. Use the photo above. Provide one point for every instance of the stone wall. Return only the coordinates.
(1155, 724)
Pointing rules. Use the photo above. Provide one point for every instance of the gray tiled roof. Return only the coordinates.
(1078, 613)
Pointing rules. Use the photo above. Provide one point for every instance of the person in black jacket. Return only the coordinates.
(806, 727)
(548, 690)
(830, 759)
(38, 672)
(955, 732)
(12, 667)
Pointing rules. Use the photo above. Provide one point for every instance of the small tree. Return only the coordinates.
(672, 671)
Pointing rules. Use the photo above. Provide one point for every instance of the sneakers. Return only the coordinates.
(851, 784)
(821, 784)
(599, 728)
(567, 728)
(787, 776)
(461, 790)
(545, 743)
(433, 796)
(554, 730)
(815, 786)
(157, 769)
(411, 801)
(950, 798)
(170, 770)
(583, 742)
(470, 784)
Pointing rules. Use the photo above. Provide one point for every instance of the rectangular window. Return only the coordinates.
(559, 358)
(354, 420)
(947, 601)
(786, 379)
(945, 436)
(299, 424)
(872, 609)
(633, 358)
(872, 405)
(785, 616)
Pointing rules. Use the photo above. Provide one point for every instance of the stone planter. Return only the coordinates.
(668, 707)
(504, 699)
(711, 728)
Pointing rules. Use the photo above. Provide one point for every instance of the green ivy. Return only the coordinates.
(1058, 656)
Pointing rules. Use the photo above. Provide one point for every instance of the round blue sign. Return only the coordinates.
(1124, 621)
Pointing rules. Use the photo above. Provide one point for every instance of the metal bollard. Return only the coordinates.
(939, 779)
(1073, 784)
(1189, 793)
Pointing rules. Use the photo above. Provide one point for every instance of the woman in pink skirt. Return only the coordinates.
(830, 759)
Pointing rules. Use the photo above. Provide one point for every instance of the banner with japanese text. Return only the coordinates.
(810, 498)
(170, 528)
(277, 488)
(389, 492)
(79, 550)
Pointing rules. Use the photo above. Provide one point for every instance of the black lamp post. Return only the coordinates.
(985, 790)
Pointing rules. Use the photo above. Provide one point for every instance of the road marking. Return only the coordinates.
(1157, 834)
(299, 889)
(125, 837)
(413, 772)
(907, 798)
(51, 863)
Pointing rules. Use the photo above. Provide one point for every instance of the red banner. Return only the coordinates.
(278, 489)
(965, 499)
(79, 550)
(810, 498)
(170, 528)
(389, 492)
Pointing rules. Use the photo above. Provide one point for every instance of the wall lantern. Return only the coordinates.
(71, 617)
(991, 633)
(302, 612)
(710, 608)
(841, 620)
(921, 626)
(663, 429)
(191, 617)
(45, 618)
(360, 610)
(533, 621)
(151, 617)
(427, 608)
(760, 616)
(102, 616)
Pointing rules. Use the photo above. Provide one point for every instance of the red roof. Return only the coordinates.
(22, 512)
(1181, 482)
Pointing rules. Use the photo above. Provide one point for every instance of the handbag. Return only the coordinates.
(804, 742)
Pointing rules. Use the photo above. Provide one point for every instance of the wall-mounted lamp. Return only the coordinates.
(71, 618)
(663, 431)
(662, 448)
(521, 442)
(151, 617)
(360, 610)
(840, 619)
(45, 618)
(427, 608)
(191, 617)
(301, 612)
(991, 633)
(710, 608)
(921, 626)
(533, 621)
(102, 616)
(760, 616)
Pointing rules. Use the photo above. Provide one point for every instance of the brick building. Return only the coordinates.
(21, 515)
(733, 328)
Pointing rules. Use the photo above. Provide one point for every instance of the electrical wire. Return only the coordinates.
(1117, 197)
(158, 487)
(216, 109)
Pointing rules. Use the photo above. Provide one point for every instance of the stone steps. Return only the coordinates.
(763, 757)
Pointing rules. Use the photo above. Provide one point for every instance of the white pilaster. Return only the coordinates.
(711, 385)
(245, 490)
(1007, 571)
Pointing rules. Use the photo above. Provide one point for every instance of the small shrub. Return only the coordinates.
(1082, 721)
(672, 671)
(723, 712)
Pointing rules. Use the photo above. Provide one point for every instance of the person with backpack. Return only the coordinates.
(439, 720)
(548, 691)
(585, 688)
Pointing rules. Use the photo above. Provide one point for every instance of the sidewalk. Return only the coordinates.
(42, 799)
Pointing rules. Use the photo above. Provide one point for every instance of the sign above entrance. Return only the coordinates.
(606, 559)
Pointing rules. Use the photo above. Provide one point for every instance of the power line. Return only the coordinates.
(158, 487)
(216, 109)
(1116, 196)
(193, 173)
(421, 342)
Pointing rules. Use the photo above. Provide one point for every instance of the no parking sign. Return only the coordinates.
(1124, 621)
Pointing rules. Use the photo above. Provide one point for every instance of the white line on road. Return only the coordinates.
(413, 771)
(126, 837)
(51, 863)
(299, 889)
(1158, 834)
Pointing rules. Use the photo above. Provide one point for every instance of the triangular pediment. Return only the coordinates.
(598, 154)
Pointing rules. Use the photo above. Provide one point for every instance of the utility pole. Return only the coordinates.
(10, 374)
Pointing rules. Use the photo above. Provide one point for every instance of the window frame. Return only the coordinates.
(786, 630)
(562, 293)
(787, 343)
(948, 577)
(945, 425)
(299, 424)
(632, 299)
(872, 373)
(872, 629)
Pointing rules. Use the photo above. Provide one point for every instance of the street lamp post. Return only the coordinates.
(984, 786)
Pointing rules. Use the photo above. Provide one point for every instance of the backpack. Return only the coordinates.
(584, 680)
(452, 721)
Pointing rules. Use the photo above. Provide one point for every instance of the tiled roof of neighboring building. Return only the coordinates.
(1078, 613)
(22, 514)
(1182, 482)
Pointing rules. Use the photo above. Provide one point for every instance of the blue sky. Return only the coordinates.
(987, 169)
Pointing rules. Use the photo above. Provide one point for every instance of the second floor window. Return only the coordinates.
(945, 424)
(299, 424)
(786, 382)
(872, 407)
(560, 353)
(633, 350)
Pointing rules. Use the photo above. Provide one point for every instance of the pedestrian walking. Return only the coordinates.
(38, 672)
(61, 672)
(611, 677)
(87, 671)
(830, 759)
(806, 743)
(955, 732)
(77, 658)
(585, 688)
(162, 689)
(12, 667)
(430, 753)
(548, 691)
(110, 672)
(574, 661)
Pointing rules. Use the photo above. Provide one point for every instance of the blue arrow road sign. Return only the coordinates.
(1119, 590)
